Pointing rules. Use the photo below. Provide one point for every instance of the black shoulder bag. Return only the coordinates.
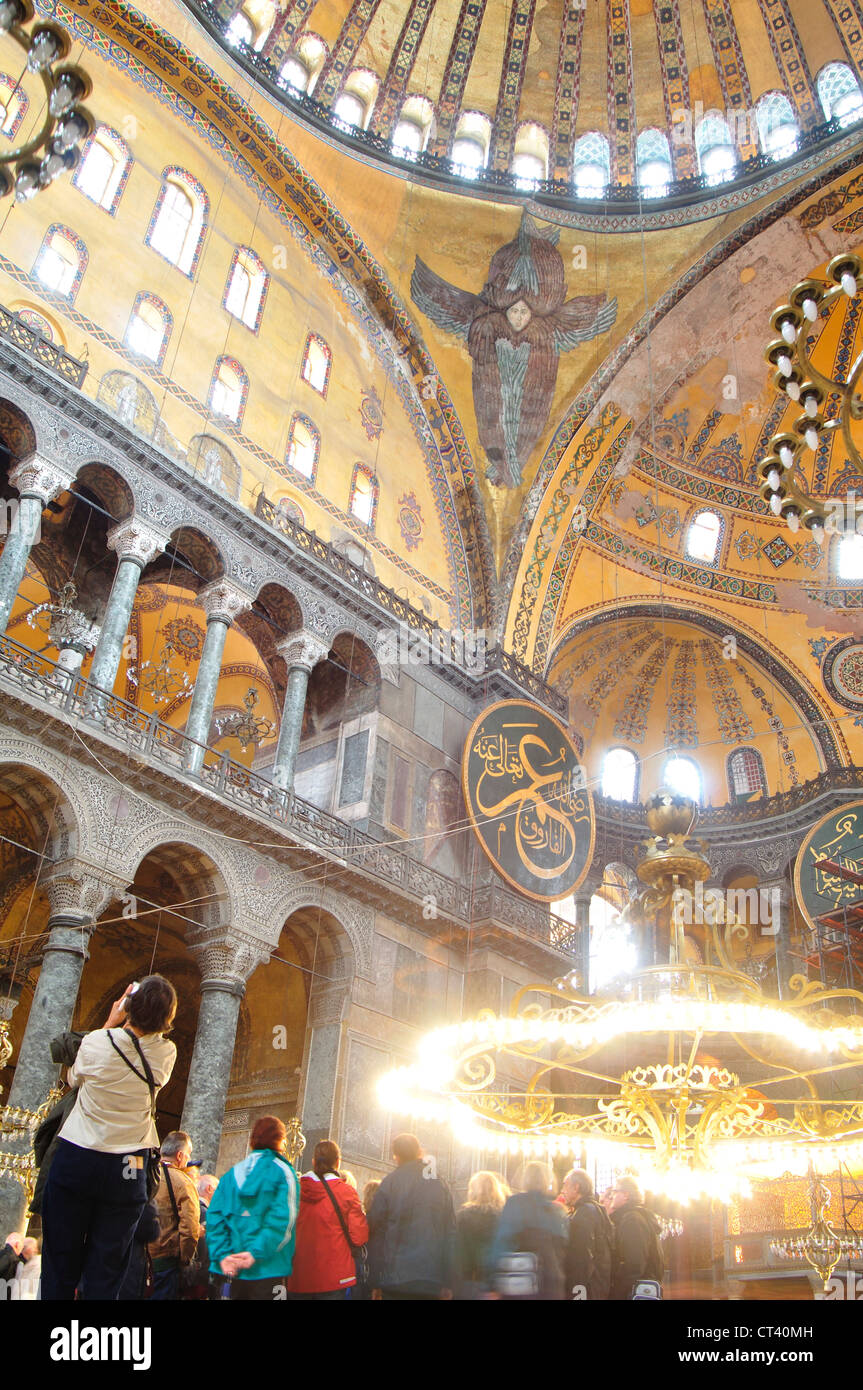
(154, 1158)
(360, 1253)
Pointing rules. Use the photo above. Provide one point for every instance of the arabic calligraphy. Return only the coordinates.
(525, 791)
(838, 838)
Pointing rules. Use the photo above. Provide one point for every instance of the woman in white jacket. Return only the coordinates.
(97, 1184)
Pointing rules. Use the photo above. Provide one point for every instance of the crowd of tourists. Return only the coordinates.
(124, 1218)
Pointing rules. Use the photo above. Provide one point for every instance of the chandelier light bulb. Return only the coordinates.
(793, 389)
(818, 533)
(68, 89)
(72, 128)
(849, 284)
(810, 310)
(27, 182)
(793, 522)
(789, 332)
(786, 455)
(811, 437)
(774, 479)
(776, 504)
(44, 50)
(10, 13)
(784, 364)
(810, 405)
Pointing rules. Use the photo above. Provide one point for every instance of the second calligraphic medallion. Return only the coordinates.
(525, 793)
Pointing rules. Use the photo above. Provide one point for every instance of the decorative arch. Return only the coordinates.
(208, 864)
(357, 921)
(130, 400)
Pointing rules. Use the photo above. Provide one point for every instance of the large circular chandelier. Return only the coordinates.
(54, 148)
(690, 1075)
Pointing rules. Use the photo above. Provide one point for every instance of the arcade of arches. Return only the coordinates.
(348, 330)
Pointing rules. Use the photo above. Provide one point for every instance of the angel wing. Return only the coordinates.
(581, 319)
(446, 305)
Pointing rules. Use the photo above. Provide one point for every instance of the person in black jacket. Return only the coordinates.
(638, 1251)
(531, 1243)
(412, 1229)
(591, 1239)
(10, 1258)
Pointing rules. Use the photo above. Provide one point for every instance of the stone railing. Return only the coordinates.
(36, 345)
(632, 814)
(145, 736)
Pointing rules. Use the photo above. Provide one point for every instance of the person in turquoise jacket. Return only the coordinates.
(251, 1223)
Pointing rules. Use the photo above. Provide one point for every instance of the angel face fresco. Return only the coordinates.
(515, 331)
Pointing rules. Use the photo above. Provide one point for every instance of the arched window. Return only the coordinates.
(61, 261)
(294, 73)
(530, 155)
(179, 220)
(839, 94)
(745, 774)
(702, 537)
(778, 132)
(149, 328)
(357, 98)
(413, 128)
(246, 288)
(714, 148)
(304, 446)
(470, 147)
(240, 30)
(591, 165)
(106, 162)
(14, 104)
(350, 110)
(363, 502)
(849, 558)
(619, 773)
(653, 163)
(302, 68)
(681, 775)
(228, 390)
(317, 361)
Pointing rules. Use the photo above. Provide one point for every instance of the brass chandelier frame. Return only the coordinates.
(782, 483)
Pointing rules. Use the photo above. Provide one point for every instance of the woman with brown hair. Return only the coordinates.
(331, 1229)
(251, 1221)
(97, 1184)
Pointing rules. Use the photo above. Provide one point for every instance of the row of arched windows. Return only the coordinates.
(775, 131)
(744, 768)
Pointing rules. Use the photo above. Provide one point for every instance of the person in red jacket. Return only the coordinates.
(331, 1221)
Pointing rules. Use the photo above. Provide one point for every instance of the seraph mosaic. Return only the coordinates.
(516, 330)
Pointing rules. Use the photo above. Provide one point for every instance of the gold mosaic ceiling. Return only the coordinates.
(611, 67)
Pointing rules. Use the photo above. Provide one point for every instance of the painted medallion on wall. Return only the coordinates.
(516, 330)
(371, 413)
(836, 840)
(842, 672)
(524, 791)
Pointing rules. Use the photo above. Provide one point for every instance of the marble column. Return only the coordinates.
(75, 899)
(37, 482)
(136, 545)
(582, 921)
(301, 651)
(326, 1009)
(225, 967)
(785, 966)
(222, 602)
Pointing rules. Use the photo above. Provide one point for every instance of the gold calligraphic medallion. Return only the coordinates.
(525, 793)
(835, 842)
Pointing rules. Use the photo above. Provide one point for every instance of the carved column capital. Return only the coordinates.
(302, 649)
(39, 477)
(225, 958)
(135, 540)
(223, 601)
(74, 891)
